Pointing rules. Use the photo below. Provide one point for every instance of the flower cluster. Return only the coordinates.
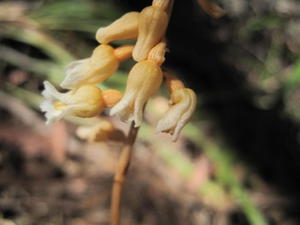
(85, 99)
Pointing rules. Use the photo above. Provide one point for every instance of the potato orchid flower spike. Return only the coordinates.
(143, 81)
(183, 104)
(100, 66)
(86, 101)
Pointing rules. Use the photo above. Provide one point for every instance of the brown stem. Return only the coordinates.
(120, 174)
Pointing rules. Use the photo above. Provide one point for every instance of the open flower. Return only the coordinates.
(99, 67)
(144, 79)
(86, 101)
(183, 104)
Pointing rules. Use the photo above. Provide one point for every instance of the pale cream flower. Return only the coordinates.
(100, 66)
(183, 105)
(153, 23)
(86, 101)
(144, 79)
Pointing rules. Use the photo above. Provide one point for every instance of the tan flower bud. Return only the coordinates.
(124, 28)
(144, 79)
(100, 66)
(211, 8)
(152, 26)
(157, 54)
(86, 101)
(124, 52)
(182, 108)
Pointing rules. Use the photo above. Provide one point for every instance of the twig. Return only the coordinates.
(120, 174)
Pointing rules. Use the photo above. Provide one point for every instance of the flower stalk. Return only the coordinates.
(120, 174)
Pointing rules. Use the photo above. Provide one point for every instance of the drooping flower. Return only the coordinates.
(124, 28)
(183, 104)
(100, 66)
(153, 22)
(86, 101)
(143, 81)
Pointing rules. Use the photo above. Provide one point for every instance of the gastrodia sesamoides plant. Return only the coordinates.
(84, 99)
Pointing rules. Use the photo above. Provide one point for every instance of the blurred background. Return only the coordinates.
(236, 162)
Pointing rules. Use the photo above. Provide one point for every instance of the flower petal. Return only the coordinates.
(51, 114)
(187, 114)
(75, 73)
(124, 108)
(179, 113)
(50, 91)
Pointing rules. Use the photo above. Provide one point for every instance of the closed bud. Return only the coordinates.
(99, 67)
(182, 108)
(86, 101)
(144, 79)
(153, 22)
(124, 28)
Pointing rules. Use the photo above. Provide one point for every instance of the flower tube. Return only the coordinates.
(100, 66)
(143, 81)
(124, 28)
(86, 101)
(153, 23)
